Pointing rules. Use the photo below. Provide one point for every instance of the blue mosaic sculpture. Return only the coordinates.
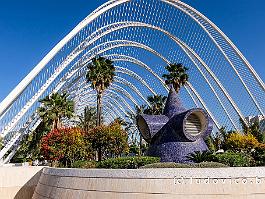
(176, 133)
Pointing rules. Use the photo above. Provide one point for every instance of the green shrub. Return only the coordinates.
(235, 159)
(179, 165)
(259, 155)
(200, 156)
(166, 165)
(84, 164)
(127, 162)
(210, 143)
(134, 149)
(210, 165)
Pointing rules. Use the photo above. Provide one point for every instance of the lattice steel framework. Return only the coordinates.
(141, 37)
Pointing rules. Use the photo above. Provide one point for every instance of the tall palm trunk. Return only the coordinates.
(99, 154)
(141, 142)
(99, 105)
(56, 124)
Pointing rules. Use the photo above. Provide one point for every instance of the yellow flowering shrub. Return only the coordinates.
(241, 142)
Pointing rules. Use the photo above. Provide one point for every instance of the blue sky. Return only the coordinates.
(29, 29)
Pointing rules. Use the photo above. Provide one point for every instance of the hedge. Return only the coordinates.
(180, 165)
(83, 164)
(127, 162)
(235, 159)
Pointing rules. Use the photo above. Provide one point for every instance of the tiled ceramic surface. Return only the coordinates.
(169, 140)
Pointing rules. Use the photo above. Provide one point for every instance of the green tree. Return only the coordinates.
(140, 109)
(253, 129)
(118, 139)
(30, 144)
(88, 119)
(157, 103)
(221, 138)
(100, 74)
(245, 127)
(217, 141)
(54, 107)
(108, 140)
(120, 121)
(177, 76)
(99, 138)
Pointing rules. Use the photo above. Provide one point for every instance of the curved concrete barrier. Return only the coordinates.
(18, 182)
(205, 183)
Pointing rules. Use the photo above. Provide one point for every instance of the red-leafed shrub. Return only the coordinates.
(65, 145)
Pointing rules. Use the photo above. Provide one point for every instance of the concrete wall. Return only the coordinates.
(221, 183)
(18, 182)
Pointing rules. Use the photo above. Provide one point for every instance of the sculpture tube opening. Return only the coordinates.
(149, 125)
(143, 128)
(195, 124)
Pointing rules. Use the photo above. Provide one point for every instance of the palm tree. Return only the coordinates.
(88, 118)
(157, 103)
(120, 121)
(140, 109)
(100, 74)
(55, 107)
(177, 76)
(254, 129)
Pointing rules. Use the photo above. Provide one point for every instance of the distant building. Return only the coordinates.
(260, 119)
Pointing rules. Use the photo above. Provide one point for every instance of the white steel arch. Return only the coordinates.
(182, 35)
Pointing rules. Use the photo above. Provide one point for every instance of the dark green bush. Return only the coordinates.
(210, 142)
(135, 149)
(200, 156)
(127, 162)
(259, 156)
(179, 165)
(84, 164)
(166, 165)
(235, 159)
(210, 165)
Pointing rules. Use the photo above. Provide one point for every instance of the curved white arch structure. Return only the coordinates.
(141, 37)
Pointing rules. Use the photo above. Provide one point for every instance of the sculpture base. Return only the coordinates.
(176, 151)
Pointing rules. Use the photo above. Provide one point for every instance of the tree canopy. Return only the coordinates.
(177, 76)
(100, 75)
(54, 107)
